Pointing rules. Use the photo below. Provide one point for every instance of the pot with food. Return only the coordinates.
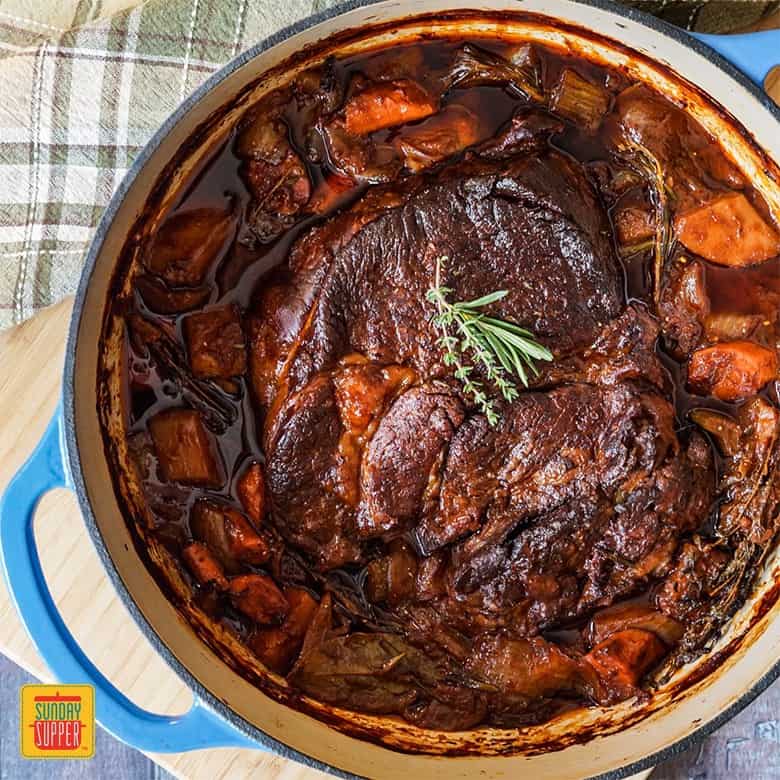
(493, 432)
(438, 387)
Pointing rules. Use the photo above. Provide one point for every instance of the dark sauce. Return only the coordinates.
(251, 263)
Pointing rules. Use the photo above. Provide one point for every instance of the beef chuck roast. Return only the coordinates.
(581, 492)
(530, 225)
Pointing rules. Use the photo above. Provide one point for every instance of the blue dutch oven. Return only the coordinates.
(229, 711)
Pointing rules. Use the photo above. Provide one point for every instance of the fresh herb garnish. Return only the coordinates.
(469, 338)
(648, 165)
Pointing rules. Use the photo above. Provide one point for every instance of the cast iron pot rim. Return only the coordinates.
(71, 444)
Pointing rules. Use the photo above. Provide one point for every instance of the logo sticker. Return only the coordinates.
(57, 721)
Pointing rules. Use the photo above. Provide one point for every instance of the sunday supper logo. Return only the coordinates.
(57, 721)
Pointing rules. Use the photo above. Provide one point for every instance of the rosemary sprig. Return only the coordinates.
(648, 165)
(470, 338)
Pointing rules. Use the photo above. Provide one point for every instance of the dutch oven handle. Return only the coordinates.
(45, 470)
(754, 54)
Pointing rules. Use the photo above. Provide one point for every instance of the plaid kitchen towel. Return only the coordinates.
(85, 83)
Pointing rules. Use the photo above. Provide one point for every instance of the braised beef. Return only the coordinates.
(531, 225)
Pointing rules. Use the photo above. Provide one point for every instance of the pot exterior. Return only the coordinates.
(594, 742)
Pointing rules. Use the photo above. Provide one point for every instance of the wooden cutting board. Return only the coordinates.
(31, 357)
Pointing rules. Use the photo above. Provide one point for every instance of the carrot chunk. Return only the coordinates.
(184, 448)
(728, 231)
(259, 598)
(386, 104)
(621, 660)
(215, 342)
(329, 192)
(731, 371)
(229, 535)
(203, 565)
(277, 647)
(251, 492)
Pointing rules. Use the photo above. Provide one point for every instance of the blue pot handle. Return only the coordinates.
(44, 470)
(755, 54)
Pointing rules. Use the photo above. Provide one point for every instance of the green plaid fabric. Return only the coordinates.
(85, 83)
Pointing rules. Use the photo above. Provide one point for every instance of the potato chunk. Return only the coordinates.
(728, 231)
(229, 535)
(251, 492)
(203, 565)
(634, 226)
(277, 647)
(386, 104)
(184, 448)
(188, 244)
(258, 597)
(731, 371)
(215, 343)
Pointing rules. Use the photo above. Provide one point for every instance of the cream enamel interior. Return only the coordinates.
(655, 726)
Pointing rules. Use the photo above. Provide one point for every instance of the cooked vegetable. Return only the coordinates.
(625, 616)
(379, 673)
(731, 371)
(443, 135)
(185, 449)
(729, 231)
(229, 535)
(621, 660)
(278, 646)
(650, 167)
(728, 326)
(724, 430)
(751, 481)
(579, 100)
(359, 158)
(258, 597)
(172, 364)
(474, 67)
(162, 299)
(215, 342)
(387, 104)
(251, 492)
(189, 244)
(203, 565)
(329, 192)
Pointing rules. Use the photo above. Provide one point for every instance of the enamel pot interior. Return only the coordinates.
(581, 743)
